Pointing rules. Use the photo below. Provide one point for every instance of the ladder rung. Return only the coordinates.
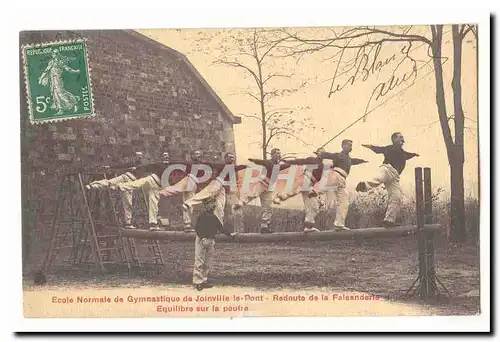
(71, 222)
(68, 233)
(66, 246)
(108, 249)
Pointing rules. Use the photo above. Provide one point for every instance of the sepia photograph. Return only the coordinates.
(239, 172)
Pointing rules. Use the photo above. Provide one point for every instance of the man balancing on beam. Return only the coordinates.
(334, 182)
(303, 183)
(222, 188)
(126, 176)
(388, 174)
(150, 184)
(129, 173)
(260, 188)
(188, 185)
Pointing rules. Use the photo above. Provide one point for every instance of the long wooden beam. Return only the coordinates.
(367, 233)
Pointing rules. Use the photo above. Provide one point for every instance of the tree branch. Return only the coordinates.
(470, 28)
(251, 116)
(403, 35)
(239, 65)
(273, 45)
(253, 96)
(279, 132)
(275, 75)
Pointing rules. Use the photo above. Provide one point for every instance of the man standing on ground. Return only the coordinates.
(394, 163)
(207, 226)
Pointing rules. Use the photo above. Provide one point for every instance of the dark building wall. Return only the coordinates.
(147, 98)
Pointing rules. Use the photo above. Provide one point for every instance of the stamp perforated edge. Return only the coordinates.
(27, 86)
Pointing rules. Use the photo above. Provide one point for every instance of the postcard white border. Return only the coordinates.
(210, 14)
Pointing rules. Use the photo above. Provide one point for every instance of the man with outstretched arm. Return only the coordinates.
(310, 176)
(219, 189)
(125, 176)
(388, 174)
(150, 185)
(187, 186)
(129, 172)
(261, 189)
(335, 187)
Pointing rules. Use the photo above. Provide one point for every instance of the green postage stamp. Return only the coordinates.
(57, 77)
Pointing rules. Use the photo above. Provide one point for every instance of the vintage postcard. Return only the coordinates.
(251, 172)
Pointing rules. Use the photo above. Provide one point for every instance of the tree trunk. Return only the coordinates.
(455, 150)
(437, 35)
(458, 229)
(264, 142)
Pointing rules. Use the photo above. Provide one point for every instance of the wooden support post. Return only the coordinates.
(419, 201)
(429, 236)
(427, 282)
(88, 215)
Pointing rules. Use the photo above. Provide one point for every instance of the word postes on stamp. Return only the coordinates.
(58, 85)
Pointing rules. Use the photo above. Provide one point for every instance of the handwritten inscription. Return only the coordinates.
(369, 62)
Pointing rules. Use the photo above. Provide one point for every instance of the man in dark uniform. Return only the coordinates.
(148, 180)
(129, 173)
(218, 189)
(338, 196)
(187, 186)
(261, 189)
(394, 163)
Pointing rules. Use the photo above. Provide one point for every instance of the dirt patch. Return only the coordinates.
(385, 268)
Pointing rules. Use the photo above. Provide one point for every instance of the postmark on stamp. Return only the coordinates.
(58, 84)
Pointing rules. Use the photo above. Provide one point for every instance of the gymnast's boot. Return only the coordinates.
(309, 227)
(388, 224)
(266, 230)
(279, 199)
(154, 227)
(188, 229)
(129, 225)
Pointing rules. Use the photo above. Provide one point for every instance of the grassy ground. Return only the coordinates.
(384, 267)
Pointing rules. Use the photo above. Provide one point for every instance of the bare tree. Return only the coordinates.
(254, 53)
(362, 38)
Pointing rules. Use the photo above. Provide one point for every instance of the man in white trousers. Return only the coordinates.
(225, 194)
(388, 174)
(208, 225)
(187, 186)
(150, 185)
(130, 173)
(261, 189)
(303, 183)
(334, 182)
